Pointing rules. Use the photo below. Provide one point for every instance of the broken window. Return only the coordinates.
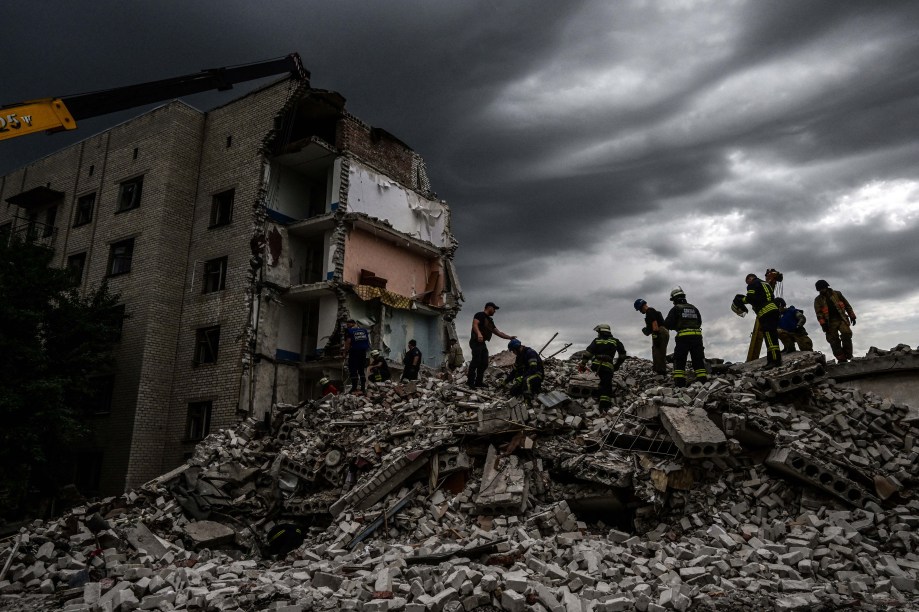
(119, 316)
(84, 212)
(101, 393)
(129, 194)
(222, 208)
(198, 423)
(75, 264)
(119, 261)
(207, 341)
(215, 275)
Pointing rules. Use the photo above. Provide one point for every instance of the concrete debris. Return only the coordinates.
(742, 492)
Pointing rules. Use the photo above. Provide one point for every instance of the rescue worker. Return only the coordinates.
(326, 387)
(379, 370)
(762, 299)
(600, 353)
(483, 326)
(455, 357)
(660, 335)
(686, 320)
(357, 341)
(411, 361)
(791, 328)
(526, 377)
(835, 315)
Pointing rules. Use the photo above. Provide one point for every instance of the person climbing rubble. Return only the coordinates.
(660, 335)
(600, 354)
(326, 387)
(455, 358)
(686, 320)
(483, 326)
(357, 341)
(411, 361)
(836, 318)
(526, 377)
(791, 328)
(761, 297)
(378, 370)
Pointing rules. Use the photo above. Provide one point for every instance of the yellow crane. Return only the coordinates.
(58, 114)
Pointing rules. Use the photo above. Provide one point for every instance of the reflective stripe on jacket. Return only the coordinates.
(822, 307)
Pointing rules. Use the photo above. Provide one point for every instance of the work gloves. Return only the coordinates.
(646, 331)
(824, 327)
(853, 320)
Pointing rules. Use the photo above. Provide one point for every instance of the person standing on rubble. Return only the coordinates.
(378, 371)
(411, 361)
(761, 298)
(357, 341)
(600, 354)
(455, 357)
(660, 335)
(686, 320)
(791, 328)
(526, 377)
(483, 326)
(835, 315)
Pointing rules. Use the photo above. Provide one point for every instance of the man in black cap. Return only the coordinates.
(483, 327)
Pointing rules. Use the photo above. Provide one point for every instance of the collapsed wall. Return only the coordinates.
(784, 492)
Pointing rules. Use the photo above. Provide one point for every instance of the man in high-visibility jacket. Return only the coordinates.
(526, 377)
(761, 298)
(686, 321)
(601, 353)
(835, 315)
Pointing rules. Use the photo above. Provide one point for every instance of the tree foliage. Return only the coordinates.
(52, 341)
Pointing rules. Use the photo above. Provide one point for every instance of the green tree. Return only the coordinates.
(52, 340)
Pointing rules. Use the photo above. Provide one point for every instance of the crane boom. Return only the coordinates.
(56, 114)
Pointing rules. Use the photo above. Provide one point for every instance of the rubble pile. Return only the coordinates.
(758, 489)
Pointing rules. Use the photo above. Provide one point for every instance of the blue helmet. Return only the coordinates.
(513, 344)
(639, 303)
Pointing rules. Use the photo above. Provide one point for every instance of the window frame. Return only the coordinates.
(110, 268)
(78, 220)
(223, 199)
(134, 201)
(207, 345)
(198, 420)
(81, 257)
(108, 395)
(210, 273)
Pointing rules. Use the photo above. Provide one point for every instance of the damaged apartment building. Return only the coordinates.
(240, 240)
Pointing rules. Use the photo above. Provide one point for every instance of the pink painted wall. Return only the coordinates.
(405, 271)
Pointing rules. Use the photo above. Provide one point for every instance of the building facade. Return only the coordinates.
(240, 240)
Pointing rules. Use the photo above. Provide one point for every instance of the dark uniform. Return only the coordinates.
(479, 362)
(379, 369)
(686, 320)
(526, 377)
(601, 353)
(410, 372)
(659, 339)
(761, 298)
(358, 343)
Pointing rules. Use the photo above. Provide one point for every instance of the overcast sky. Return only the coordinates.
(592, 152)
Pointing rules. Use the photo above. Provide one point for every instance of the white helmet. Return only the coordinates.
(323, 381)
(677, 293)
(375, 353)
(602, 327)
